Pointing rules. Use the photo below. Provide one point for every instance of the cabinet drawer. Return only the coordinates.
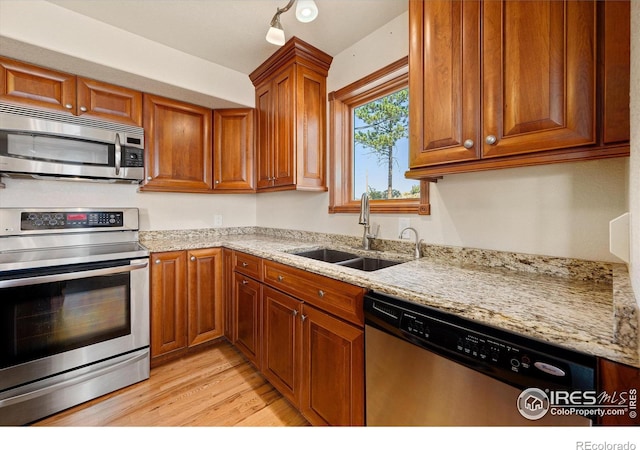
(341, 299)
(248, 265)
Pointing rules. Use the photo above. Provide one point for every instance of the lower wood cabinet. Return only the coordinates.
(186, 299)
(621, 383)
(304, 332)
(247, 317)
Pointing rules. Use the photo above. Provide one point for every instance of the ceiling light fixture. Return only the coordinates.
(306, 11)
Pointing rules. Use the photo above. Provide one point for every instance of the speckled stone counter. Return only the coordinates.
(583, 305)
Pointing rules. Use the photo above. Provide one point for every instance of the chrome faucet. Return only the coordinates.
(416, 250)
(364, 220)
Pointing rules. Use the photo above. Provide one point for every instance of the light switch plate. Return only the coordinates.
(217, 220)
(403, 223)
(619, 237)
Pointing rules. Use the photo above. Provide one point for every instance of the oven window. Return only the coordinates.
(45, 319)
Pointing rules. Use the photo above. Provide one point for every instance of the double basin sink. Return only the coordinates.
(346, 259)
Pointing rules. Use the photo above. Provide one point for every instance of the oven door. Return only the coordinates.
(58, 319)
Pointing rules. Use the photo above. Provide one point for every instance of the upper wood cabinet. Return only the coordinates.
(504, 84)
(233, 150)
(178, 146)
(291, 118)
(44, 88)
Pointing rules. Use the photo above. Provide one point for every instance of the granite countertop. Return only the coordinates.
(581, 305)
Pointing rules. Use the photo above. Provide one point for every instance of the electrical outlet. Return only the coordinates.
(217, 220)
(403, 223)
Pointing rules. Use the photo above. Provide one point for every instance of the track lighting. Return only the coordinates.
(306, 11)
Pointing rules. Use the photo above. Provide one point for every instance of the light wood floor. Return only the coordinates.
(214, 387)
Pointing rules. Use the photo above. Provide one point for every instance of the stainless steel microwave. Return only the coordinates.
(43, 144)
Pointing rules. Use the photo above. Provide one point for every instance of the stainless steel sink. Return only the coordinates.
(347, 259)
(327, 255)
(369, 264)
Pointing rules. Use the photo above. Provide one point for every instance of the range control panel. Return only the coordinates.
(42, 220)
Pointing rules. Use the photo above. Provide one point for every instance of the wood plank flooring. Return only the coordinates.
(213, 387)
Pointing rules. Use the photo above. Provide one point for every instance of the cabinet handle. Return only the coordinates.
(491, 139)
(320, 293)
(280, 278)
(294, 312)
(83, 108)
(303, 317)
(157, 261)
(245, 282)
(193, 258)
(244, 264)
(68, 106)
(468, 143)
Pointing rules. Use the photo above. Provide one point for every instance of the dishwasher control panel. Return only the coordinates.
(498, 353)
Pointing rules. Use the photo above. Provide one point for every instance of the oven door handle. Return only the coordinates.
(70, 276)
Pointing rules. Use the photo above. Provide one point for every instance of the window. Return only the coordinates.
(369, 145)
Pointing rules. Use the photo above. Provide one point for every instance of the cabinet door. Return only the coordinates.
(444, 81)
(168, 302)
(311, 112)
(622, 382)
(283, 131)
(233, 150)
(37, 87)
(264, 135)
(178, 148)
(539, 71)
(281, 338)
(204, 284)
(109, 102)
(332, 370)
(247, 313)
(227, 302)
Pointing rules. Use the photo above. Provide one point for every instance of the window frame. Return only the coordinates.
(342, 102)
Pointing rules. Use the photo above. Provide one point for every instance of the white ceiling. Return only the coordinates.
(232, 33)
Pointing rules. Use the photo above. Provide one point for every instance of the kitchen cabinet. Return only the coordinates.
(247, 306)
(40, 87)
(506, 84)
(233, 150)
(621, 383)
(178, 146)
(186, 299)
(281, 343)
(314, 329)
(291, 118)
(332, 370)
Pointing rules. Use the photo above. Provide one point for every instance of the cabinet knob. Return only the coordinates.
(149, 178)
(83, 108)
(217, 181)
(320, 293)
(245, 282)
(468, 143)
(68, 106)
(294, 312)
(244, 264)
(491, 139)
(193, 258)
(303, 317)
(157, 261)
(280, 278)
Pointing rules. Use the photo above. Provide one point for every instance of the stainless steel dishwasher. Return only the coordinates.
(429, 368)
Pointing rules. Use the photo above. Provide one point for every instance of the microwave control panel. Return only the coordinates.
(42, 220)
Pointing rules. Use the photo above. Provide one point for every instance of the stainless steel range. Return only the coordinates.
(74, 308)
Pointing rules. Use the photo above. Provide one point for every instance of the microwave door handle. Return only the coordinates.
(118, 154)
(28, 281)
